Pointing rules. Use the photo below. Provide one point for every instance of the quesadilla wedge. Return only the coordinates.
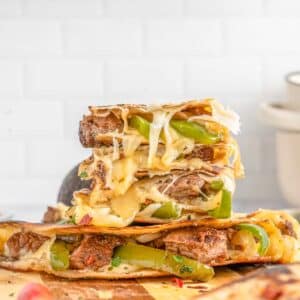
(159, 138)
(187, 249)
(159, 199)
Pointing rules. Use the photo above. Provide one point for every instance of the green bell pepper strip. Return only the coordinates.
(259, 233)
(217, 185)
(141, 125)
(189, 129)
(163, 260)
(195, 131)
(59, 256)
(224, 210)
(168, 210)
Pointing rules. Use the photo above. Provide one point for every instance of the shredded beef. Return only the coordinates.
(52, 215)
(185, 186)
(95, 251)
(22, 242)
(91, 126)
(203, 244)
(204, 153)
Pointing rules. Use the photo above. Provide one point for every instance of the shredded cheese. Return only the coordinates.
(159, 118)
(130, 144)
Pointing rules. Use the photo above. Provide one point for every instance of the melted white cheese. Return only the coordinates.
(225, 117)
(156, 126)
(103, 216)
(123, 175)
(149, 210)
(130, 144)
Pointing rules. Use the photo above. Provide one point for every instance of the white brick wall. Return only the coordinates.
(31, 119)
(59, 56)
(144, 8)
(10, 8)
(12, 158)
(103, 37)
(224, 8)
(11, 78)
(134, 78)
(187, 36)
(30, 38)
(263, 36)
(60, 78)
(63, 8)
(223, 76)
(280, 8)
(53, 157)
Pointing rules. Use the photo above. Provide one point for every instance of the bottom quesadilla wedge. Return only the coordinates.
(188, 249)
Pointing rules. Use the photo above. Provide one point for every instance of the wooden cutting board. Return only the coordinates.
(161, 288)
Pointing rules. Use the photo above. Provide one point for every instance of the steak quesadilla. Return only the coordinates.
(155, 164)
(160, 138)
(176, 196)
(187, 249)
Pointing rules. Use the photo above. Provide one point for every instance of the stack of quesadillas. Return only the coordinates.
(157, 164)
(162, 182)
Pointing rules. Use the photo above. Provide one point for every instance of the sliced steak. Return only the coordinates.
(22, 242)
(91, 126)
(183, 187)
(204, 153)
(52, 215)
(206, 245)
(94, 252)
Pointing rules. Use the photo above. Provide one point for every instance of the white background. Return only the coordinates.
(59, 56)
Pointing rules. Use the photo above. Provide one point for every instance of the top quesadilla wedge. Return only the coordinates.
(186, 249)
(170, 134)
(105, 122)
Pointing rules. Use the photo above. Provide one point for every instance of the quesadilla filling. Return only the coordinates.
(185, 252)
(174, 196)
